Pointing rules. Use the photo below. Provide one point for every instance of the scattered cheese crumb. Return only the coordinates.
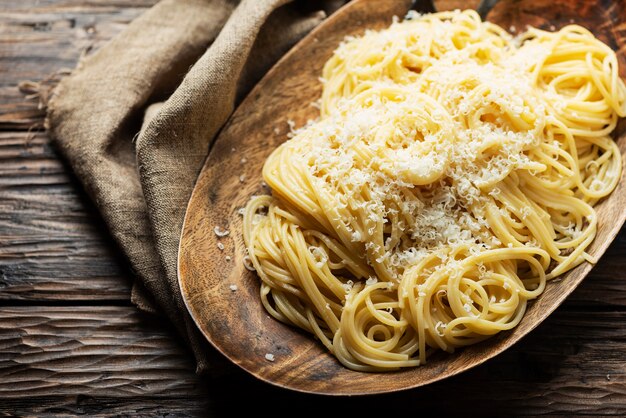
(247, 263)
(292, 128)
(227, 258)
(420, 291)
(220, 232)
(220, 246)
(242, 178)
(269, 357)
(371, 280)
(233, 287)
(439, 328)
(319, 255)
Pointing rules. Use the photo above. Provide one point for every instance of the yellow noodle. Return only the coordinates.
(452, 173)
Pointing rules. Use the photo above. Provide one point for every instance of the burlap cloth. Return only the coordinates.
(135, 120)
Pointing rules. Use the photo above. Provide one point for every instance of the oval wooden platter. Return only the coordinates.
(223, 296)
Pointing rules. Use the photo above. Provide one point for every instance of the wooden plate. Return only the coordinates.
(223, 297)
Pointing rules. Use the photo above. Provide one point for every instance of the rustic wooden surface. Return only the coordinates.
(72, 344)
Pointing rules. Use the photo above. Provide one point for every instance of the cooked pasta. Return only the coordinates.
(452, 173)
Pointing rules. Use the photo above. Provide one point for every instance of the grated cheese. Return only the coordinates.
(440, 328)
(220, 232)
(451, 160)
(247, 263)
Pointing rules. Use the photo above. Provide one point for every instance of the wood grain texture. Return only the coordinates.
(104, 361)
(39, 39)
(90, 350)
(605, 286)
(228, 317)
(53, 250)
(53, 244)
(442, 5)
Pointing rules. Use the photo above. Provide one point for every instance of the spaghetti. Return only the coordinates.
(453, 171)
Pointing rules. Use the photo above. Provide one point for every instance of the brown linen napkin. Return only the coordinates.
(136, 118)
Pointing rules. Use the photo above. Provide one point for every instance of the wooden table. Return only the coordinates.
(72, 343)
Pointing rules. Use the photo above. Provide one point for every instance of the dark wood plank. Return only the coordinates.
(132, 406)
(605, 286)
(42, 38)
(53, 244)
(115, 361)
(105, 351)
